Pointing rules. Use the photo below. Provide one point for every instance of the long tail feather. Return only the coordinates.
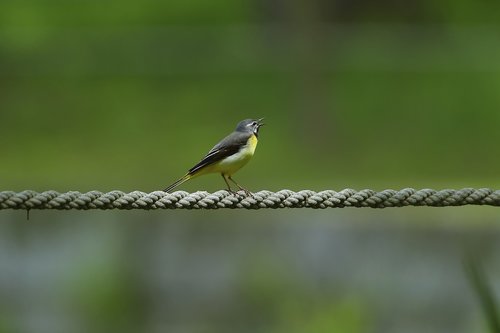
(178, 182)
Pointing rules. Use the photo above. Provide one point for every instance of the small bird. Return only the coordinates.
(228, 156)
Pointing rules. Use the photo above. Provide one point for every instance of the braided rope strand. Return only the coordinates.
(27, 200)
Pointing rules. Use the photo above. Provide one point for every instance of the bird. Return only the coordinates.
(228, 156)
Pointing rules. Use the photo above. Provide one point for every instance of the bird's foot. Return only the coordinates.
(247, 192)
(238, 193)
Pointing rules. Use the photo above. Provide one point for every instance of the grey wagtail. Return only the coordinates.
(228, 156)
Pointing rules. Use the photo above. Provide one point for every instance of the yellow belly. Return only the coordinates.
(233, 163)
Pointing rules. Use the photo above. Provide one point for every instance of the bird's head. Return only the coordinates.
(250, 125)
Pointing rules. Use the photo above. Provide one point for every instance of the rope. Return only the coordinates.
(264, 199)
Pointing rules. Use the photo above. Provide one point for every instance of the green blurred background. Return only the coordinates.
(128, 95)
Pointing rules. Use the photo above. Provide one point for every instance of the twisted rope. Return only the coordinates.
(264, 199)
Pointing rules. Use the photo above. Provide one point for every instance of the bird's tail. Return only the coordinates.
(179, 181)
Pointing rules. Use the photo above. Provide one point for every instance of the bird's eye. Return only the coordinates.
(254, 123)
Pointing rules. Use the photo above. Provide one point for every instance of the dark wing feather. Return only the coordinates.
(230, 145)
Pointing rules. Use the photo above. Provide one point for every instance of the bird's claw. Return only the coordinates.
(247, 193)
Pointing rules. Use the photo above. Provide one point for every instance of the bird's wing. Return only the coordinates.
(230, 145)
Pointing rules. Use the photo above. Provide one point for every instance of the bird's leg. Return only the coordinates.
(247, 192)
(228, 187)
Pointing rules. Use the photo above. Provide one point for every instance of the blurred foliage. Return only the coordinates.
(106, 299)
(281, 303)
(476, 275)
(7, 325)
(129, 95)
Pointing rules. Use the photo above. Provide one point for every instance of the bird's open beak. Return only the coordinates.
(260, 123)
